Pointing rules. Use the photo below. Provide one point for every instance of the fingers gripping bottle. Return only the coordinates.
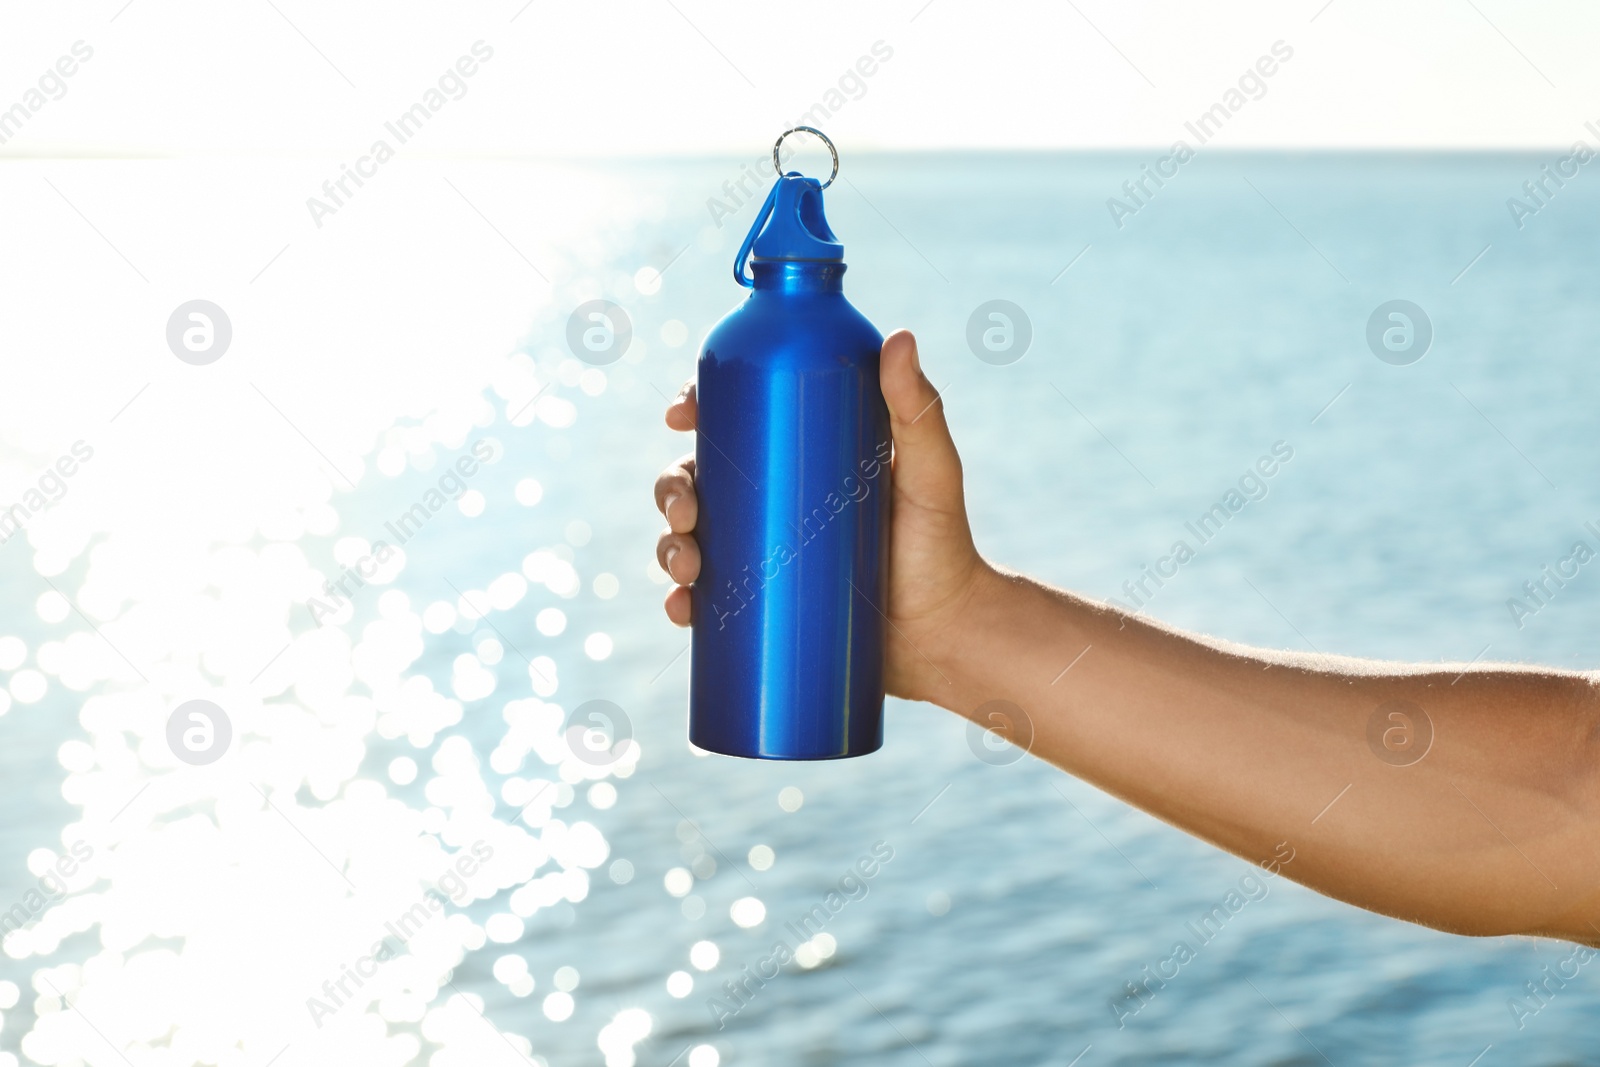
(792, 469)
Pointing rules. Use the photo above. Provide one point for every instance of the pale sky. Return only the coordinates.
(646, 77)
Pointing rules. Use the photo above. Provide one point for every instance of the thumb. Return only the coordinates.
(927, 469)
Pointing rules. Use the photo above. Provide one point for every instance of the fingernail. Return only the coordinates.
(666, 507)
(916, 360)
(673, 551)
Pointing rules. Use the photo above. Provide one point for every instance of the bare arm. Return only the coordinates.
(1491, 826)
(1491, 831)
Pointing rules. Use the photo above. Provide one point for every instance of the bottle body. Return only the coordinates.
(792, 472)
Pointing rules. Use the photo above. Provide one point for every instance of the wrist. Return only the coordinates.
(958, 661)
(1015, 640)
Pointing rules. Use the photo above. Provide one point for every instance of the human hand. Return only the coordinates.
(934, 569)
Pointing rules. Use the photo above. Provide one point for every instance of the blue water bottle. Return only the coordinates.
(792, 469)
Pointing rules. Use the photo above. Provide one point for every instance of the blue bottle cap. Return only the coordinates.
(790, 226)
(797, 228)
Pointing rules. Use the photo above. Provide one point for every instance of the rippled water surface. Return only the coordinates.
(1008, 904)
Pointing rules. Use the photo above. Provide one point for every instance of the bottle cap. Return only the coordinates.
(797, 227)
(791, 225)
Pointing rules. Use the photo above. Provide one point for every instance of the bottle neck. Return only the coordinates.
(798, 275)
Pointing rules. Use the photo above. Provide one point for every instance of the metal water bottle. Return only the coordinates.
(792, 469)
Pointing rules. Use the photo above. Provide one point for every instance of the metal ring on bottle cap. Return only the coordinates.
(834, 152)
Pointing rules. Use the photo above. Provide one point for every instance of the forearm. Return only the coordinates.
(1492, 831)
